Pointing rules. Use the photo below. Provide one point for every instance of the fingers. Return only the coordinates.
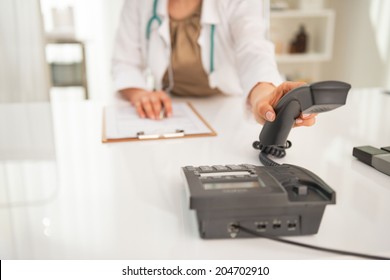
(166, 103)
(284, 88)
(152, 104)
(268, 114)
(264, 112)
(156, 106)
(305, 120)
(140, 110)
(147, 107)
(300, 122)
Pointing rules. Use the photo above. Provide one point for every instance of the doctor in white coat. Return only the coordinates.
(196, 47)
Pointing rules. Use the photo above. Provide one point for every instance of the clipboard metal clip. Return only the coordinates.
(178, 133)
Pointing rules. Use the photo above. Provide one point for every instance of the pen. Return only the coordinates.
(162, 113)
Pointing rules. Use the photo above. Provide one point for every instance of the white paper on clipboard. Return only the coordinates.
(122, 122)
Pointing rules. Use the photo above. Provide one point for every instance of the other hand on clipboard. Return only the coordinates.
(154, 105)
(122, 123)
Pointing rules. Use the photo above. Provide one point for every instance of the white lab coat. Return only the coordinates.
(242, 55)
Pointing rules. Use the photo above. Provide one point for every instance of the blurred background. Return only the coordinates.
(63, 48)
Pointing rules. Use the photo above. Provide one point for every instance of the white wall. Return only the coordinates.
(24, 75)
(361, 54)
(112, 10)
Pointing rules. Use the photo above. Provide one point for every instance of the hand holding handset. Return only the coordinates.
(312, 98)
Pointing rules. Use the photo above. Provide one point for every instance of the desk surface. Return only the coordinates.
(90, 200)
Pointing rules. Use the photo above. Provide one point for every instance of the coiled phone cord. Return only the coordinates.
(276, 151)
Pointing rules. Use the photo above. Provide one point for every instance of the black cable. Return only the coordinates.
(266, 161)
(335, 251)
(276, 151)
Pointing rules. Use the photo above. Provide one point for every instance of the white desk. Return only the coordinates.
(126, 200)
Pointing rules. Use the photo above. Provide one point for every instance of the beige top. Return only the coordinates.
(189, 77)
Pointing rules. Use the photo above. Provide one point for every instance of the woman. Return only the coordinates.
(196, 48)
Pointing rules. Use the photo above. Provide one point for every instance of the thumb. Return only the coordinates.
(267, 112)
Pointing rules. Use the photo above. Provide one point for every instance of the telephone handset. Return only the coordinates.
(312, 98)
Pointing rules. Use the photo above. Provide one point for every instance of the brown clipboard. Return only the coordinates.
(174, 135)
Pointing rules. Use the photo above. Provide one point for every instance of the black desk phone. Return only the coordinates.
(277, 200)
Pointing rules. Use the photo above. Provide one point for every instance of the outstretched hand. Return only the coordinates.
(264, 97)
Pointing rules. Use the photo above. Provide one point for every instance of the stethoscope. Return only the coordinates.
(156, 18)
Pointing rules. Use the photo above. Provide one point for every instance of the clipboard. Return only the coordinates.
(122, 124)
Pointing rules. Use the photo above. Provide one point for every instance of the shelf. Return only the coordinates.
(302, 58)
(319, 26)
(67, 60)
(301, 14)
